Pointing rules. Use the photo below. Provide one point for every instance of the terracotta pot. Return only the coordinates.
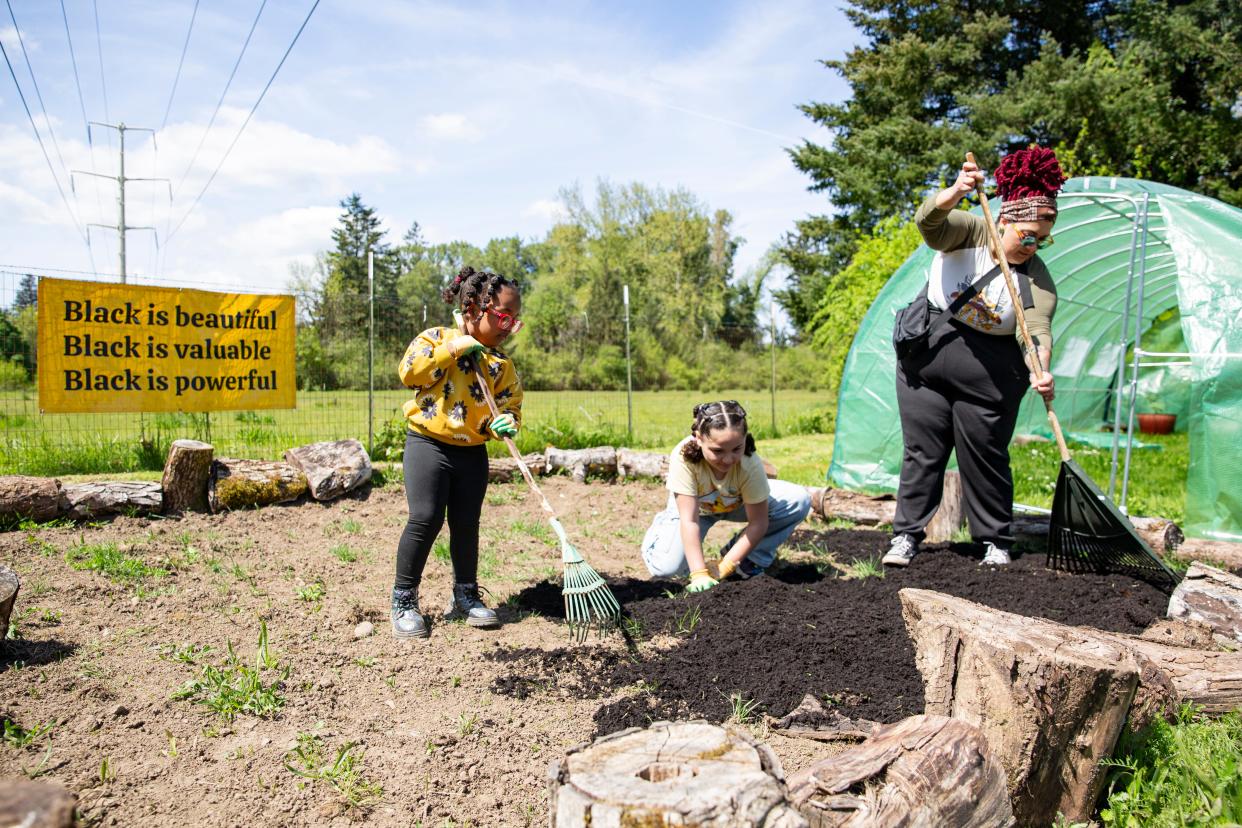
(1156, 423)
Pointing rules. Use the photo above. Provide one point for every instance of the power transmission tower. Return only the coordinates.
(121, 227)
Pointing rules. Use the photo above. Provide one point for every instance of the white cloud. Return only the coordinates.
(297, 231)
(13, 45)
(544, 208)
(449, 125)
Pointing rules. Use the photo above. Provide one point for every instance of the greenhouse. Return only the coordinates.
(1134, 261)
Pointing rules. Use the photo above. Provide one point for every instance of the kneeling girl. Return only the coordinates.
(714, 474)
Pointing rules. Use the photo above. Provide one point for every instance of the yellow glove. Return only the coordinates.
(700, 581)
(721, 569)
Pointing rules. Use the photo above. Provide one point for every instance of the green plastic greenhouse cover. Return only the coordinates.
(1189, 260)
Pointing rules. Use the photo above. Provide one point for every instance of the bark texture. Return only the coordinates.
(671, 773)
(332, 468)
(10, 583)
(185, 476)
(32, 498)
(950, 516)
(1210, 596)
(85, 501)
(641, 464)
(924, 771)
(601, 460)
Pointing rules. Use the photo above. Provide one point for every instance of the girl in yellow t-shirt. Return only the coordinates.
(447, 424)
(714, 474)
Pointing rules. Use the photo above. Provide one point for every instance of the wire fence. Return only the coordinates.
(347, 387)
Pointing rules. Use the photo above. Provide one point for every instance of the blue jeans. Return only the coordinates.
(665, 556)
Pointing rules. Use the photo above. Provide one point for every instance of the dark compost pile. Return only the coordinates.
(775, 638)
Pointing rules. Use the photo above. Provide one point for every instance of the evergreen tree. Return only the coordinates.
(27, 293)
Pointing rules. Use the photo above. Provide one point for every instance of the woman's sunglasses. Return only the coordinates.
(1029, 238)
(505, 321)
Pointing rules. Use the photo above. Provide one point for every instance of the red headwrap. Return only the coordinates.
(1028, 181)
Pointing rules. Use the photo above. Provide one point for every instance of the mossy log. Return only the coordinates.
(32, 498)
(671, 773)
(924, 770)
(185, 476)
(86, 501)
(244, 484)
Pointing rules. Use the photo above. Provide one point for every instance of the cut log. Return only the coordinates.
(1181, 632)
(505, 469)
(10, 584)
(671, 773)
(841, 504)
(32, 498)
(1051, 700)
(36, 805)
(925, 770)
(332, 468)
(1223, 553)
(243, 484)
(581, 462)
(1160, 534)
(950, 515)
(811, 720)
(86, 501)
(632, 463)
(185, 476)
(1209, 679)
(1211, 596)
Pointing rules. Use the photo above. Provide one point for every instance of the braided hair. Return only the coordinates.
(1028, 181)
(476, 288)
(709, 417)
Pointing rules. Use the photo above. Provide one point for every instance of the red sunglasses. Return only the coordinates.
(506, 321)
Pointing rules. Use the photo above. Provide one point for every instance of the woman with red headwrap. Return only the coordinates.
(964, 390)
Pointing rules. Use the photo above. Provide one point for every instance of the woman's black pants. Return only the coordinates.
(962, 394)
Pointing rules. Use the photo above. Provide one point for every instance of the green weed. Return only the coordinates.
(344, 553)
(16, 736)
(688, 620)
(344, 773)
(185, 653)
(440, 551)
(109, 561)
(237, 688)
(864, 568)
(741, 709)
(351, 526)
(312, 593)
(466, 724)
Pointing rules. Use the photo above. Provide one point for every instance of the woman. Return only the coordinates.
(963, 392)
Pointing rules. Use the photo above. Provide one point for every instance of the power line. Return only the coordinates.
(47, 120)
(184, 48)
(77, 82)
(253, 109)
(211, 122)
(39, 138)
(102, 81)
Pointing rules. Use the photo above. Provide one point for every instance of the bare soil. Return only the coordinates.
(458, 729)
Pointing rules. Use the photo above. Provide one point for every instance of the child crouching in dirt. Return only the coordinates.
(448, 422)
(714, 474)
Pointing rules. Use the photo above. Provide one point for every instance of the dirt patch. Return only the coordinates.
(772, 640)
(121, 627)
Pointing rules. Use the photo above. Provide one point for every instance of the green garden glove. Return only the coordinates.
(464, 346)
(503, 426)
(700, 581)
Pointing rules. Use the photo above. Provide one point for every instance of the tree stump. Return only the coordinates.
(36, 805)
(1220, 552)
(185, 476)
(1051, 700)
(581, 462)
(332, 468)
(86, 501)
(671, 773)
(632, 463)
(950, 516)
(842, 504)
(10, 583)
(33, 498)
(1209, 679)
(1211, 596)
(242, 484)
(925, 770)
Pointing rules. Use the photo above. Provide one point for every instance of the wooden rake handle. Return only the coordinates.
(480, 372)
(1032, 355)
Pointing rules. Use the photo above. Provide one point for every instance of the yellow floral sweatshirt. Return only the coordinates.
(449, 404)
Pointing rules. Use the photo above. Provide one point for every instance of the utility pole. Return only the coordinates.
(121, 227)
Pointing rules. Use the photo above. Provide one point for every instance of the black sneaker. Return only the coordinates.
(407, 618)
(468, 605)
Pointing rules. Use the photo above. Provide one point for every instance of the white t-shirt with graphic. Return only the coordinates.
(746, 482)
(991, 311)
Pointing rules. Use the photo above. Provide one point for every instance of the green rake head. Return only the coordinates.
(588, 600)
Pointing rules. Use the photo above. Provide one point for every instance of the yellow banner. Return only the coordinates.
(110, 347)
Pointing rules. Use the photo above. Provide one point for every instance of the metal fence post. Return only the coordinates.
(772, 326)
(629, 369)
(370, 352)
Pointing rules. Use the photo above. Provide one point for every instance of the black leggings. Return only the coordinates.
(440, 477)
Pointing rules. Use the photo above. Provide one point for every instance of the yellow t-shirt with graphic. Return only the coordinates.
(746, 482)
(449, 404)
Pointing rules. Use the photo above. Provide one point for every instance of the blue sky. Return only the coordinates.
(467, 118)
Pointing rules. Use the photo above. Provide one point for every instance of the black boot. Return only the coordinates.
(407, 619)
(466, 604)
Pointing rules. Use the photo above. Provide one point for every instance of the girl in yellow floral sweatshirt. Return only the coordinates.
(448, 422)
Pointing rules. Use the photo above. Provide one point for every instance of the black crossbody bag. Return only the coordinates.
(915, 323)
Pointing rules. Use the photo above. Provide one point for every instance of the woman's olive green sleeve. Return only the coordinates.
(1039, 318)
(948, 230)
